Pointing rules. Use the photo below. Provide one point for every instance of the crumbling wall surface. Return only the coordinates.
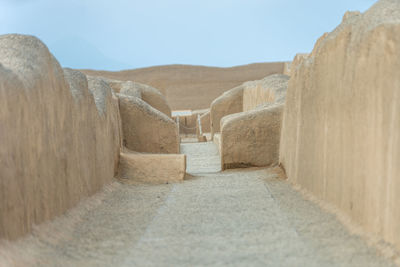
(296, 61)
(271, 89)
(154, 98)
(152, 168)
(149, 94)
(251, 138)
(109, 124)
(205, 122)
(340, 136)
(286, 67)
(146, 129)
(48, 154)
(228, 103)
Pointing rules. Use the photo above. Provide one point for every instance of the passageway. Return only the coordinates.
(245, 217)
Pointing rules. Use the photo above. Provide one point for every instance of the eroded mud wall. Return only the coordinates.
(59, 141)
(146, 129)
(341, 127)
(271, 89)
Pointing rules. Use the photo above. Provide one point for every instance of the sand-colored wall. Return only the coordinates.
(271, 89)
(340, 136)
(149, 94)
(152, 168)
(193, 87)
(251, 138)
(286, 68)
(290, 67)
(248, 96)
(228, 103)
(205, 122)
(217, 141)
(255, 95)
(49, 156)
(146, 129)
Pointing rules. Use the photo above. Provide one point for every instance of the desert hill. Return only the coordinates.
(193, 87)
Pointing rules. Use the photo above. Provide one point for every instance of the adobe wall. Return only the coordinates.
(295, 63)
(146, 129)
(271, 89)
(340, 137)
(149, 94)
(251, 137)
(49, 118)
(286, 68)
(228, 103)
(152, 168)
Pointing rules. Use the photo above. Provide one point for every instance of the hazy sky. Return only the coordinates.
(121, 34)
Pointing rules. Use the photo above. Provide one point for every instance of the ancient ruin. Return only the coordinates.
(273, 164)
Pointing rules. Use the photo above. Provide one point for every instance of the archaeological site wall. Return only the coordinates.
(146, 129)
(228, 103)
(145, 117)
(59, 135)
(251, 137)
(271, 89)
(152, 168)
(340, 134)
(149, 94)
(62, 133)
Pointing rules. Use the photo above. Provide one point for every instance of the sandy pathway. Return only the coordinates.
(243, 217)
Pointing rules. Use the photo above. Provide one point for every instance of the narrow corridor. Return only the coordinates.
(244, 217)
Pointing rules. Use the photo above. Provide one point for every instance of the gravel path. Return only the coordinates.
(244, 217)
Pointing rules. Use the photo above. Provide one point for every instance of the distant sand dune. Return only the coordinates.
(193, 87)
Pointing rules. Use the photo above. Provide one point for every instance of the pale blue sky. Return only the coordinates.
(122, 34)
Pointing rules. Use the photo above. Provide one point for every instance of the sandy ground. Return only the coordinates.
(246, 217)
